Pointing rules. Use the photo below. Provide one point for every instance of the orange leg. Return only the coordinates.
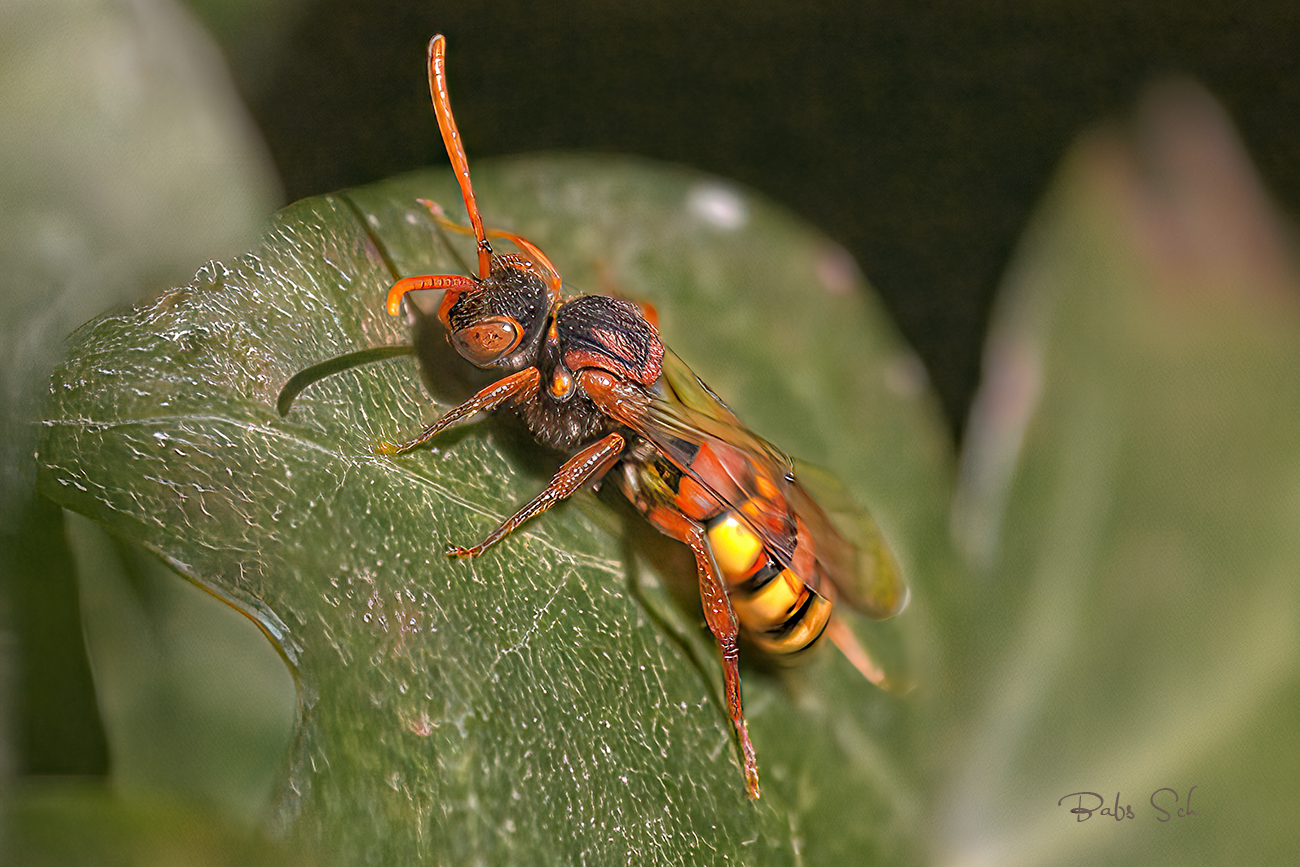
(587, 465)
(724, 625)
(843, 638)
(519, 385)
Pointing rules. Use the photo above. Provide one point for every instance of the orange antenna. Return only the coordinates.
(456, 150)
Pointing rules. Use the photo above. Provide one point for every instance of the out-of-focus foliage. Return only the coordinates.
(1129, 501)
(126, 159)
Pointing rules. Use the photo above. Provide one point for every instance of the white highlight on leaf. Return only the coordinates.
(719, 206)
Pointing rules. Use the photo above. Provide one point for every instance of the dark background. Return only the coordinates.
(919, 135)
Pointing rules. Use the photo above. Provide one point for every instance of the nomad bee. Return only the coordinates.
(591, 378)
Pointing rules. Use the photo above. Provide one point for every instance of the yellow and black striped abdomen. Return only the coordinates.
(776, 603)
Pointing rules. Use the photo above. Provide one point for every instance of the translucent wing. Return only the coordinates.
(686, 414)
(767, 488)
(864, 570)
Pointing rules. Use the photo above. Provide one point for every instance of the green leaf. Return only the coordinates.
(1129, 499)
(115, 181)
(547, 702)
(71, 823)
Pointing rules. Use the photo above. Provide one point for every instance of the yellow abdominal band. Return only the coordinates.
(735, 547)
(803, 633)
(781, 616)
(771, 605)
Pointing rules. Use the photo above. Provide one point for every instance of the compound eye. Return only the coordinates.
(486, 341)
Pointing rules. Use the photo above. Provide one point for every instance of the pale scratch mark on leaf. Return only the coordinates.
(535, 626)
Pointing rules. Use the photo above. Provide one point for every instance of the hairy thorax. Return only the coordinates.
(566, 425)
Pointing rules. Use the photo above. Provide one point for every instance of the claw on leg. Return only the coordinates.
(516, 386)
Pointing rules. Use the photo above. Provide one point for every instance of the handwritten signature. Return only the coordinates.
(1090, 802)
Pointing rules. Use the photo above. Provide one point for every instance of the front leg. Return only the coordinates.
(516, 386)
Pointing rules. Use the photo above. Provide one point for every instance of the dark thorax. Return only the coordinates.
(589, 332)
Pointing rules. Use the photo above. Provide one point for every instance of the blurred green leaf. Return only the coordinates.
(547, 702)
(1130, 496)
(80, 823)
(196, 710)
(127, 158)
